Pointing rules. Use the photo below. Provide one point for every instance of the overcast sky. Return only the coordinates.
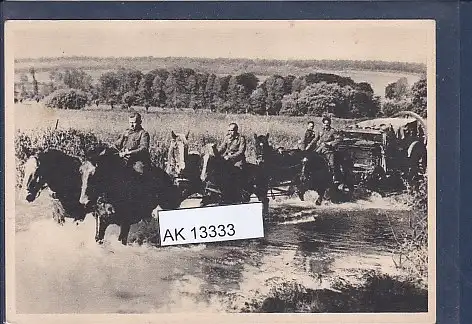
(406, 41)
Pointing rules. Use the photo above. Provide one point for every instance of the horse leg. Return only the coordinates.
(78, 213)
(59, 217)
(301, 194)
(321, 193)
(58, 212)
(300, 185)
(100, 228)
(205, 201)
(300, 189)
(210, 198)
(265, 204)
(261, 194)
(124, 231)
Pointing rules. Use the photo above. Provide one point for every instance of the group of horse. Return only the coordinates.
(102, 184)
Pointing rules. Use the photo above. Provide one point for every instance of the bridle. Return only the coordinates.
(174, 165)
(262, 149)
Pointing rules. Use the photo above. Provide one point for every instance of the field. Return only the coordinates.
(204, 126)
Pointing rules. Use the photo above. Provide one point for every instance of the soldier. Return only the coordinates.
(233, 149)
(323, 143)
(133, 145)
(309, 134)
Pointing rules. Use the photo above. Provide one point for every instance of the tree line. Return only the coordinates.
(216, 65)
(311, 94)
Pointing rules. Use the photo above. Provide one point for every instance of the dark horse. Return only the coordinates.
(303, 170)
(133, 197)
(226, 184)
(60, 172)
(184, 166)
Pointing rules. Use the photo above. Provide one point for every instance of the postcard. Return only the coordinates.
(209, 171)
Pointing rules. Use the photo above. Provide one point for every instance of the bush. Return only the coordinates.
(419, 93)
(320, 98)
(129, 99)
(412, 248)
(67, 99)
(376, 292)
(290, 106)
(391, 107)
(397, 90)
(71, 141)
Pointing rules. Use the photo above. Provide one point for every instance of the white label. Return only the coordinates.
(211, 224)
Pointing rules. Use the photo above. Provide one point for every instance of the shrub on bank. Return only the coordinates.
(377, 292)
(70, 141)
(412, 250)
(67, 99)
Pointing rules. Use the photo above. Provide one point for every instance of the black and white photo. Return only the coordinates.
(320, 134)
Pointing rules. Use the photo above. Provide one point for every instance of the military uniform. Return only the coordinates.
(234, 149)
(318, 145)
(309, 136)
(137, 143)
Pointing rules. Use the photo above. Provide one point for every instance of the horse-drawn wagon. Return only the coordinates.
(385, 148)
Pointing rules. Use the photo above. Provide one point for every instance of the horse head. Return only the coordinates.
(262, 148)
(304, 173)
(210, 157)
(94, 171)
(33, 181)
(88, 191)
(177, 154)
(48, 168)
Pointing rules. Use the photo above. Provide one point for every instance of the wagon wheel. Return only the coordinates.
(417, 151)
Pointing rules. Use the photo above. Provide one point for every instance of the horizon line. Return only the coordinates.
(215, 58)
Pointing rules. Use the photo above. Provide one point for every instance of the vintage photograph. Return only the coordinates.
(329, 124)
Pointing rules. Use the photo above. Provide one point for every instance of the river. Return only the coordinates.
(315, 253)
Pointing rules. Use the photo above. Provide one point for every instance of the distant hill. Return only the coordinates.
(220, 66)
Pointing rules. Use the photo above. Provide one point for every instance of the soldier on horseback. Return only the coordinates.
(309, 134)
(323, 142)
(133, 145)
(233, 149)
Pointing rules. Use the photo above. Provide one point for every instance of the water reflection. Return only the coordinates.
(310, 247)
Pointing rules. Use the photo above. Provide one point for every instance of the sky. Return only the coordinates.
(387, 40)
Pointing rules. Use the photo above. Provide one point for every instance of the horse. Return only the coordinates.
(304, 170)
(133, 196)
(227, 184)
(184, 166)
(60, 172)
